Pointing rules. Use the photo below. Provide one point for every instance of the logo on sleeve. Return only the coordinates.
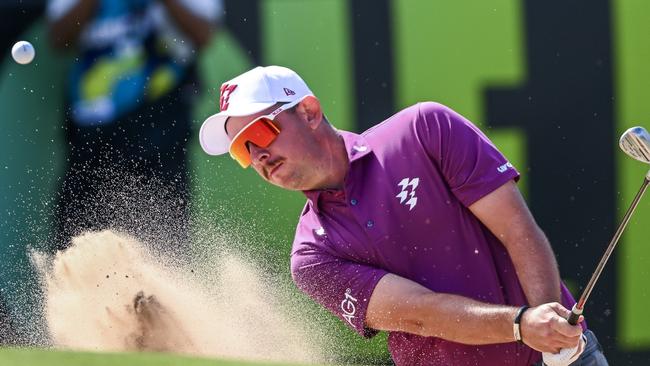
(349, 308)
(504, 167)
(408, 192)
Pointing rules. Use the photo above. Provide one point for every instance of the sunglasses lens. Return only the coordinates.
(261, 133)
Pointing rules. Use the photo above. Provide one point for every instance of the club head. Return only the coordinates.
(636, 143)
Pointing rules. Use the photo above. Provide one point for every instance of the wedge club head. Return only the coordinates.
(636, 143)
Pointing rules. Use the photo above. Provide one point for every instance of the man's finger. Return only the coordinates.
(563, 327)
(560, 310)
(562, 341)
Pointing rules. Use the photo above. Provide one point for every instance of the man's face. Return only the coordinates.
(292, 160)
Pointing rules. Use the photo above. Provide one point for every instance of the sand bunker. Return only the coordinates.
(107, 292)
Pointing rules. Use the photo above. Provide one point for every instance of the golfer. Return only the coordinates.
(415, 227)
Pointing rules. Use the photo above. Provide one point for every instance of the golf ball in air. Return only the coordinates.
(23, 52)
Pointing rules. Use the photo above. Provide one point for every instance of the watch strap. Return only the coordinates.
(516, 325)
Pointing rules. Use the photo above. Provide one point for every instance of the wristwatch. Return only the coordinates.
(515, 325)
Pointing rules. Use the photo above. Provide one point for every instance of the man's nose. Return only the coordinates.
(258, 154)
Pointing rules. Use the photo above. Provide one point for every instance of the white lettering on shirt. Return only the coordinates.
(504, 167)
(349, 308)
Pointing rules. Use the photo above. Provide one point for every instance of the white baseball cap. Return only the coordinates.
(247, 94)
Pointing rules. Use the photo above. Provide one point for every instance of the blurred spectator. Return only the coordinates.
(129, 97)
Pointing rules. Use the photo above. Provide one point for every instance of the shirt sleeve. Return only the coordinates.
(341, 286)
(468, 160)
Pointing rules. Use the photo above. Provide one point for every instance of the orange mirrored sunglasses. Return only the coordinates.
(262, 131)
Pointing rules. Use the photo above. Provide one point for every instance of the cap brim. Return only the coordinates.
(213, 137)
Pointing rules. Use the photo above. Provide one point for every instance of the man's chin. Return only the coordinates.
(286, 183)
(286, 186)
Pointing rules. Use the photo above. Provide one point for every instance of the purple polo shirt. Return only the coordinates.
(403, 210)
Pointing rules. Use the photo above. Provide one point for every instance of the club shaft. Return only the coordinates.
(612, 244)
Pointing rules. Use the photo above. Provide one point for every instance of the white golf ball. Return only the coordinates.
(23, 52)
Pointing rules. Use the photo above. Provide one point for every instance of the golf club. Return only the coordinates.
(635, 142)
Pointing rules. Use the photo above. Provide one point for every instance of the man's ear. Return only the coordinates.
(310, 111)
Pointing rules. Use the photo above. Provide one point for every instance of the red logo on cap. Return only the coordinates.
(224, 96)
(288, 91)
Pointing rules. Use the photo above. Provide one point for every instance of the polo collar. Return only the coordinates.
(357, 147)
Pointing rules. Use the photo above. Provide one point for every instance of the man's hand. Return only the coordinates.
(545, 328)
(197, 28)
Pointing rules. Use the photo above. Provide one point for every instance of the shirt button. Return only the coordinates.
(370, 223)
(360, 148)
(353, 202)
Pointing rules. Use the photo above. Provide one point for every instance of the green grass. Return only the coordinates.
(36, 357)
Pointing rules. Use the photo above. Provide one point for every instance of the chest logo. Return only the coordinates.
(407, 195)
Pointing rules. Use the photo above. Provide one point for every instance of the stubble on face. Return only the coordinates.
(290, 167)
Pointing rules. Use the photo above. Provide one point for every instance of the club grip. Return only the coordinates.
(575, 315)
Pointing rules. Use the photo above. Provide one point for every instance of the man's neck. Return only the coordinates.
(338, 163)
